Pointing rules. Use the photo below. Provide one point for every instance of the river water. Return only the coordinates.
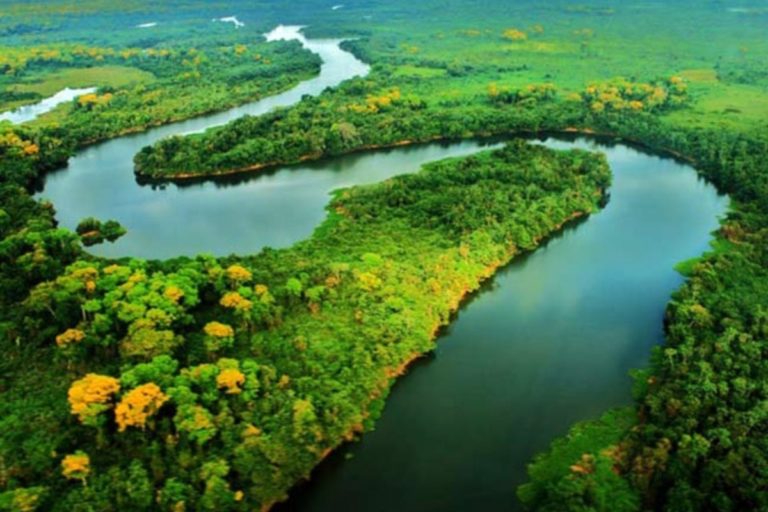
(30, 112)
(547, 342)
(211, 217)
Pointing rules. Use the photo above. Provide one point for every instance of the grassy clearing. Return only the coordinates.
(737, 107)
(104, 76)
(48, 84)
(419, 72)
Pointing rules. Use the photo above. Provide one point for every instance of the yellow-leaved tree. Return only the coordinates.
(70, 337)
(231, 379)
(91, 395)
(76, 466)
(233, 300)
(218, 336)
(138, 405)
(238, 274)
(514, 34)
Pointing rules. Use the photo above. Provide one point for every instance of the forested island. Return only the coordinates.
(221, 382)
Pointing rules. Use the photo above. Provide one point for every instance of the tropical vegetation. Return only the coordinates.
(218, 383)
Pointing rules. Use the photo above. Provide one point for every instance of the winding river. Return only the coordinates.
(212, 217)
(547, 342)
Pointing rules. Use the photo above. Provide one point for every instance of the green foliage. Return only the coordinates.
(307, 366)
(341, 124)
(22, 499)
(529, 95)
(93, 231)
(150, 84)
(702, 442)
(190, 82)
(581, 472)
(320, 330)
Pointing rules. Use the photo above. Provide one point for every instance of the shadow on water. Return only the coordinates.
(341, 162)
(518, 263)
(334, 163)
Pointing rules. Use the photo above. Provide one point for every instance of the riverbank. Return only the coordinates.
(560, 326)
(219, 108)
(382, 390)
(200, 176)
(348, 307)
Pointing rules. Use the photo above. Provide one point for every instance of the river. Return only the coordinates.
(211, 217)
(547, 342)
(30, 112)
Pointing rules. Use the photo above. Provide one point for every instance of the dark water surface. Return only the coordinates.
(548, 342)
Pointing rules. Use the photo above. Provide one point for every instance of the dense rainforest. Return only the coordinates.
(365, 113)
(256, 366)
(148, 82)
(218, 383)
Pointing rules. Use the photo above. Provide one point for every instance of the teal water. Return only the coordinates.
(547, 342)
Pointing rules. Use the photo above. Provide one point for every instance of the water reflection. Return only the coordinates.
(548, 342)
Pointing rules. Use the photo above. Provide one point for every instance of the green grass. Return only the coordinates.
(733, 106)
(48, 84)
(103, 76)
(420, 72)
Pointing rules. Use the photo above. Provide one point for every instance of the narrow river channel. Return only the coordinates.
(547, 342)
